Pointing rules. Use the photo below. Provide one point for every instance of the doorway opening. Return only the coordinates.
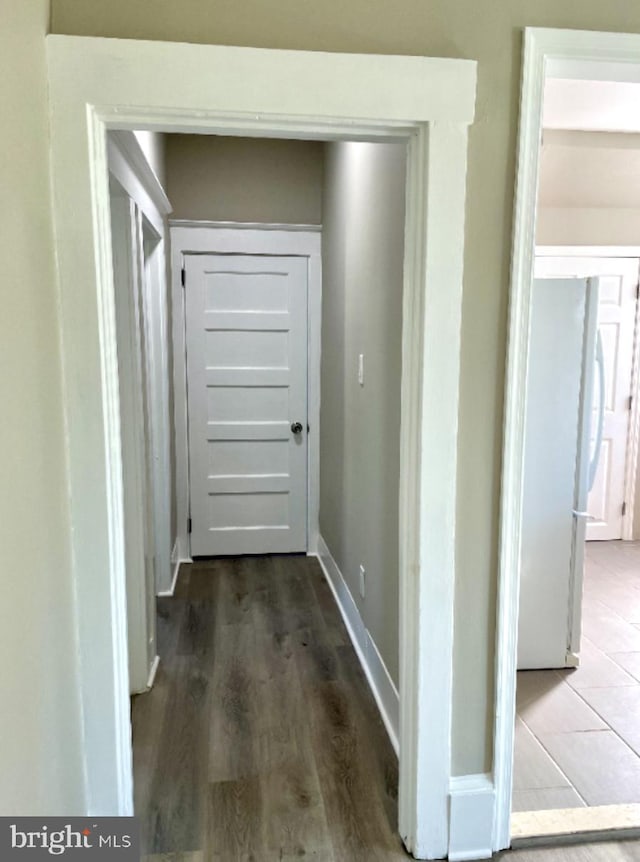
(256, 629)
(400, 97)
(574, 374)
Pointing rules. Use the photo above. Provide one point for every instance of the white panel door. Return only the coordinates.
(618, 279)
(246, 321)
(559, 384)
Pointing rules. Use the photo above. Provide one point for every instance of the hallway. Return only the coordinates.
(260, 739)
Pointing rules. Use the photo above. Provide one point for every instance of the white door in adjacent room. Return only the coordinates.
(618, 280)
(246, 336)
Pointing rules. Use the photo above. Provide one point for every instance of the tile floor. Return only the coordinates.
(578, 731)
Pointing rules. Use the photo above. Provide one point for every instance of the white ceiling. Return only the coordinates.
(605, 106)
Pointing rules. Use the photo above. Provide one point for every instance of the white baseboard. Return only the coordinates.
(312, 544)
(381, 684)
(175, 552)
(471, 812)
(177, 562)
(152, 673)
(182, 549)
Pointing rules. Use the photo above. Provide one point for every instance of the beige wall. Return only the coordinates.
(362, 256)
(589, 189)
(39, 718)
(483, 30)
(244, 179)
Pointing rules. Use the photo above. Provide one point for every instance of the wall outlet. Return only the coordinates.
(362, 579)
(361, 369)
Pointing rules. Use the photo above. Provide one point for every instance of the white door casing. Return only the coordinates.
(139, 550)
(152, 512)
(245, 91)
(202, 237)
(618, 279)
(155, 309)
(588, 55)
(131, 170)
(246, 334)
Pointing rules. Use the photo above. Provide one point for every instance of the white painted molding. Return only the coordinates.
(184, 549)
(633, 443)
(157, 351)
(140, 623)
(252, 225)
(247, 87)
(128, 164)
(471, 810)
(428, 460)
(314, 371)
(174, 579)
(588, 251)
(600, 54)
(232, 238)
(382, 686)
(152, 673)
(134, 176)
(176, 561)
(235, 238)
(429, 102)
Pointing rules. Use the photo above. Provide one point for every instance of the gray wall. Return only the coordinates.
(244, 179)
(362, 258)
(41, 770)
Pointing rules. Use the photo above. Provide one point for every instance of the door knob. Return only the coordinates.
(296, 427)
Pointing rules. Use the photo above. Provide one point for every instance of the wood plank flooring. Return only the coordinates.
(260, 740)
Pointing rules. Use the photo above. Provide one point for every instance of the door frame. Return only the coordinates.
(200, 237)
(129, 166)
(603, 56)
(144, 207)
(428, 102)
(154, 261)
(633, 438)
(134, 444)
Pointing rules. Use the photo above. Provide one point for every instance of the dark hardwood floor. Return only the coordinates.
(260, 740)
